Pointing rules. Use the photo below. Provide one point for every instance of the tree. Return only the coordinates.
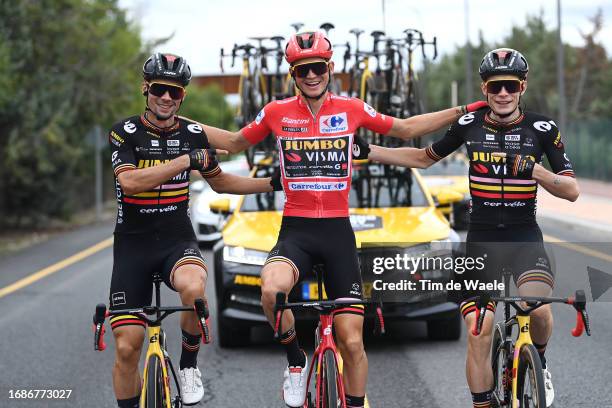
(66, 65)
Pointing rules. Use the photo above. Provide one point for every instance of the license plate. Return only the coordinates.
(310, 291)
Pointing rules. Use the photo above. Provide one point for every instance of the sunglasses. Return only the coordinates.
(495, 87)
(318, 68)
(175, 92)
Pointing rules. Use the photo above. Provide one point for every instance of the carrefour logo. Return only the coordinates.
(314, 186)
(333, 123)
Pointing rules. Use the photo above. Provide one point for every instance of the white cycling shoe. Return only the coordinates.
(548, 387)
(294, 386)
(192, 390)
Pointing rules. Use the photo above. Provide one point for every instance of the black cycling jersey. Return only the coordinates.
(497, 198)
(136, 143)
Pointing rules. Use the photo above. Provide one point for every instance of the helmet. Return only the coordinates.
(503, 61)
(307, 45)
(167, 66)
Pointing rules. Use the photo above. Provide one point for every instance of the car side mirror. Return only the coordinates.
(447, 197)
(220, 206)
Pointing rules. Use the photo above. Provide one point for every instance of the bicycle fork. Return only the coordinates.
(325, 342)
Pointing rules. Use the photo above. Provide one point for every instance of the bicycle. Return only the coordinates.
(517, 368)
(156, 391)
(329, 387)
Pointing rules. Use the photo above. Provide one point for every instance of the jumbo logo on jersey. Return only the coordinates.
(316, 156)
(333, 123)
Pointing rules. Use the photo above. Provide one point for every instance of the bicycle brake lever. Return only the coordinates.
(381, 320)
(280, 301)
(201, 310)
(481, 310)
(582, 318)
(98, 327)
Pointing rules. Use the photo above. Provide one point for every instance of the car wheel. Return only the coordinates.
(445, 329)
(231, 336)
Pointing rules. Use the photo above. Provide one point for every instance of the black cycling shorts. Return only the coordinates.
(136, 258)
(304, 242)
(519, 248)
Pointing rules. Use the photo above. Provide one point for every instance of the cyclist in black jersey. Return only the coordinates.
(152, 156)
(505, 146)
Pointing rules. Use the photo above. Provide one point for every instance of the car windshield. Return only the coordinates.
(450, 167)
(373, 186)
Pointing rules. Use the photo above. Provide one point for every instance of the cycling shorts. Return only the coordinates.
(519, 248)
(136, 258)
(305, 242)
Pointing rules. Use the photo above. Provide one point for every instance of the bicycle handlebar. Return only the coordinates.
(578, 301)
(281, 305)
(200, 307)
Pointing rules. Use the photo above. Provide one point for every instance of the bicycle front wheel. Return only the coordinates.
(154, 393)
(330, 397)
(501, 370)
(530, 379)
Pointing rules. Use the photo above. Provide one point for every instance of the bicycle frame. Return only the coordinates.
(155, 334)
(522, 320)
(156, 338)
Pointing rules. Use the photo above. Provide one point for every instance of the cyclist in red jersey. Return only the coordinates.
(314, 133)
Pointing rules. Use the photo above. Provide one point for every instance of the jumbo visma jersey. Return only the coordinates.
(315, 150)
(135, 144)
(498, 198)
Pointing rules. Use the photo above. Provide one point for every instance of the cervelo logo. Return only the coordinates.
(194, 128)
(466, 119)
(292, 121)
(129, 127)
(314, 186)
(333, 123)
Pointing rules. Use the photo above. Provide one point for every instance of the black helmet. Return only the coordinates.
(503, 61)
(167, 66)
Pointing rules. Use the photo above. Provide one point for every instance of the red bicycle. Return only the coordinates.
(329, 388)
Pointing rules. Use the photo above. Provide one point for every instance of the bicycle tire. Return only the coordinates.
(499, 363)
(154, 397)
(530, 370)
(330, 381)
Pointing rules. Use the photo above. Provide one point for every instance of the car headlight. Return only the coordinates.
(243, 255)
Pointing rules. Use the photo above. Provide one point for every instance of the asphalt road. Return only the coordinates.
(46, 342)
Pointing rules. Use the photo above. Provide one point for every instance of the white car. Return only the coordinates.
(206, 224)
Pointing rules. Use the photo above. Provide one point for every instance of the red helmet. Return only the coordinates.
(308, 45)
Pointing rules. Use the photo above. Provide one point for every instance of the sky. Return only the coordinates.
(201, 27)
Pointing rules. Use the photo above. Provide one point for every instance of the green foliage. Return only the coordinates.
(65, 66)
(207, 105)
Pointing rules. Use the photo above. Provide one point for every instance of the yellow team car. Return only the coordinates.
(451, 175)
(391, 212)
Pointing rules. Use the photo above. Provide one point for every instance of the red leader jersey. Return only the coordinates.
(315, 151)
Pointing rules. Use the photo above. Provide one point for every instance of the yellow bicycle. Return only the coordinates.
(156, 391)
(517, 369)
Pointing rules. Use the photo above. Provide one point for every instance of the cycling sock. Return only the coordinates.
(541, 350)
(129, 403)
(189, 354)
(295, 356)
(354, 402)
(482, 399)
